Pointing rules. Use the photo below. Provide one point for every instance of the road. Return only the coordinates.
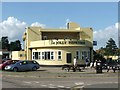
(48, 77)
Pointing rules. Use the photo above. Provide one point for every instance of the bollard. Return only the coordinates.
(98, 67)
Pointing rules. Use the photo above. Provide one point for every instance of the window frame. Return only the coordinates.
(78, 54)
(33, 55)
(59, 55)
(52, 55)
(84, 54)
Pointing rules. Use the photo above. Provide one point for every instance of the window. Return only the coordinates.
(32, 62)
(21, 55)
(36, 55)
(39, 55)
(77, 54)
(88, 54)
(47, 55)
(84, 54)
(43, 57)
(52, 55)
(44, 37)
(24, 63)
(59, 55)
(33, 56)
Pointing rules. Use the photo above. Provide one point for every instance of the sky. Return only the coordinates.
(101, 16)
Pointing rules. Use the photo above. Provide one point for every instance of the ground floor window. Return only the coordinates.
(78, 55)
(43, 55)
(85, 54)
(52, 55)
(46, 55)
(39, 55)
(33, 55)
(59, 55)
(88, 54)
(36, 55)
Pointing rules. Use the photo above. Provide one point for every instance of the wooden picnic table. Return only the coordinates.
(72, 67)
(113, 67)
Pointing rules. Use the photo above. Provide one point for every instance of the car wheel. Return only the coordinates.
(15, 69)
(34, 68)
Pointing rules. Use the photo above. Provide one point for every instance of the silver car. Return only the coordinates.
(23, 66)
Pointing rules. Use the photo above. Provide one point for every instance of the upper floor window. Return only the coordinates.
(44, 37)
(21, 55)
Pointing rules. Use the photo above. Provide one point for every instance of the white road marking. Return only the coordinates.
(68, 87)
(27, 82)
(43, 85)
(52, 87)
(36, 82)
(51, 84)
(79, 83)
(60, 86)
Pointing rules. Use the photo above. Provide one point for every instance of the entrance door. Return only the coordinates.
(69, 57)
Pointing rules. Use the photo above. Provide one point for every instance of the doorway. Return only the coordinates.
(69, 57)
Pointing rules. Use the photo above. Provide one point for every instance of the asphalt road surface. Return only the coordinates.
(48, 77)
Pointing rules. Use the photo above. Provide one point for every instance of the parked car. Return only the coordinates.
(24, 65)
(8, 62)
(3, 60)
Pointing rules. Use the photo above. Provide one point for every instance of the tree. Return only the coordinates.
(15, 46)
(111, 48)
(98, 56)
(118, 51)
(5, 43)
(102, 51)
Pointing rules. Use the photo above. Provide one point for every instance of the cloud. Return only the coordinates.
(13, 28)
(102, 36)
(38, 24)
(117, 25)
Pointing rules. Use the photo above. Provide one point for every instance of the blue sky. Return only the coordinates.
(98, 15)
(93, 14)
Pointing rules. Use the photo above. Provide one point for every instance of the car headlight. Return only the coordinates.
(7, 67)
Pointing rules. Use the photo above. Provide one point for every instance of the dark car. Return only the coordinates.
(24, 65)
(8, 62)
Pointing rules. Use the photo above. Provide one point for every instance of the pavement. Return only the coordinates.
(56, 78)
